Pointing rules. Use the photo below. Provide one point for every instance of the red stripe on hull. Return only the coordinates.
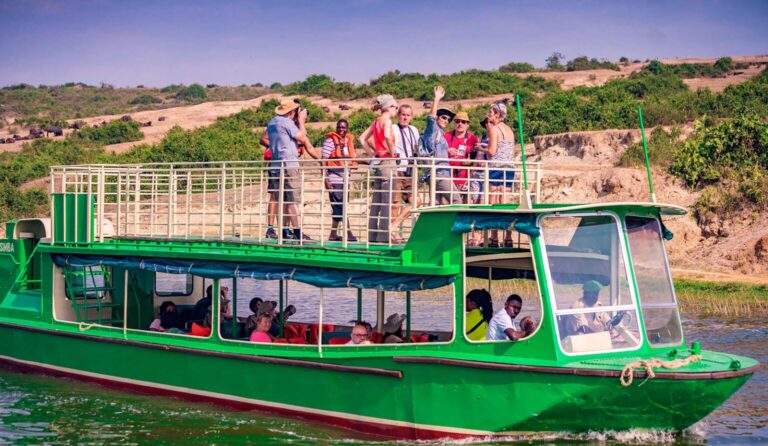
(377, 429)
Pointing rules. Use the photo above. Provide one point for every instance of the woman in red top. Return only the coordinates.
(378, 141)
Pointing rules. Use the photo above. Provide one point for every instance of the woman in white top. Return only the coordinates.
(500, 153)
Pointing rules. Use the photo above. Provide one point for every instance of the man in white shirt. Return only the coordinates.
(406, 142)
(503, 326)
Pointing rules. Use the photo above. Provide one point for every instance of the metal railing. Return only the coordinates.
(371, 202)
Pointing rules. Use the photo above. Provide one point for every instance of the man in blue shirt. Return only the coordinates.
(284, 139)
(434, 143)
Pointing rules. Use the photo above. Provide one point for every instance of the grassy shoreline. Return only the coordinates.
(722, 299)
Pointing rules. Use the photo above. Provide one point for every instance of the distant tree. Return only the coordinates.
(517, 67)
(276, 86)
(555, 61)
(623, 59)
(194, 92)
(724, 64)
(211, 86)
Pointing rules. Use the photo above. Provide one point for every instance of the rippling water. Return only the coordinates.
(40, 409)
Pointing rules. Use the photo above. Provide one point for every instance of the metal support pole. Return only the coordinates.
(407, 316)
(379, 310)
(359, 304)
(282, 306)
(645, 151)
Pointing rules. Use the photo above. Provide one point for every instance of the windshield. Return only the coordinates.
(592, 301)
(654, 281)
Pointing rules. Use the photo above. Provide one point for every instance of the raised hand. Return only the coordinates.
(439, 92)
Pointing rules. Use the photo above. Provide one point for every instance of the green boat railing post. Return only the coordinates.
(215, 310)
(233, 303)
(525, 201)
(645, 152)
(359, 304)
(282, 317)
(407, 316)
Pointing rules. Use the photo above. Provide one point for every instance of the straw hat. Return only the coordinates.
(286, 106)
(462, 115)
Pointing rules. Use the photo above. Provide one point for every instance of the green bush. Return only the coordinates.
(582, 63)
(662, 149)
(113, 132)
(517, 67)
(145, 99)
(690, 70)
(194, 92)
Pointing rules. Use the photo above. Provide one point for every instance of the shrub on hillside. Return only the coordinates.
(582, 63)
(662, 149)
(517, 67)
(145, 99)
(113, 132)
(194, 92)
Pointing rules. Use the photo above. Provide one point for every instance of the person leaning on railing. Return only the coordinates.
(284, 139)
(435, 145)
(378, 141)
(339, 152)
(500, 153)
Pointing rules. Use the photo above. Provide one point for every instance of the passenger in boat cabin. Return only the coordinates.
(479, 307)
(503, 325)
(435, 145)
(587, 322)
(461, 142)
(339, 151)
(406, 143)
(360, 334)
(378, 141)
(393, 329)
(261, 333)
(250, 322)
(288, 311)
(172, 321)
(284, 139)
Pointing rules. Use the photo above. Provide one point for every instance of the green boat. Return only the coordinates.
(80, 290)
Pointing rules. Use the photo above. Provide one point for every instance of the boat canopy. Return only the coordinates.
(316, 276)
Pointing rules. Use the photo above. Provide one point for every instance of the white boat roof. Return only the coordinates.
(663, 208)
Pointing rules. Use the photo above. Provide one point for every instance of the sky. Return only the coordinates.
(233, 42)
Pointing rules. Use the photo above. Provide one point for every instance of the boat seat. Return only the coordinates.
(313, 331)
(296, 341)
(338, 341)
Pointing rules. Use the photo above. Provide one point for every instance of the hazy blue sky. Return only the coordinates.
(156, 43)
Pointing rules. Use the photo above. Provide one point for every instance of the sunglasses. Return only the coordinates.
(461, 121)
(446, 117)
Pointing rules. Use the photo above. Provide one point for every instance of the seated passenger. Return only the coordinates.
(393, 329)
(165, 307)
(261, 333)
(203, 329)
(288, 311)
(503, 325)
(587, 322)
(201, 306)
(360, 334)
(250, 322)
(479, 313)
(171, 320)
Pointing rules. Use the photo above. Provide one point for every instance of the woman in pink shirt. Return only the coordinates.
(260, 334)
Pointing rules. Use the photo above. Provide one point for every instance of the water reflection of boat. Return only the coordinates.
(80, 293)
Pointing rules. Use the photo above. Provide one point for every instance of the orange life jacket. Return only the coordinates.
(337, 157)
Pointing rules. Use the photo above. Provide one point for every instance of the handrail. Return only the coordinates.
(344, 204)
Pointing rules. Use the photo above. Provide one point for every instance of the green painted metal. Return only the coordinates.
(448, 396)
(522, 140)
(645, 152)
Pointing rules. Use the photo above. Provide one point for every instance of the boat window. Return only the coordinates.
(590, 294)
(492, 276)
(420, 316)
(654, 281)
(173, 284)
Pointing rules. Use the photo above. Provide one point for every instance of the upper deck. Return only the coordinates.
(237, 202)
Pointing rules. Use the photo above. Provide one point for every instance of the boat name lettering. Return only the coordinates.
(6, 247)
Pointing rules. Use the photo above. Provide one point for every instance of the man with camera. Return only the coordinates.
(286, 131)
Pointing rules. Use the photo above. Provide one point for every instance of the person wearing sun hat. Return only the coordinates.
(284, 139)
(461, 142)
(591, 322)
(435, 145)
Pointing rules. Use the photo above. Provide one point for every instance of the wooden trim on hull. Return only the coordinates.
(572, 370)
(369, 425)
(261, 359)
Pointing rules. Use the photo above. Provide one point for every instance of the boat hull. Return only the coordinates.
(395, 397)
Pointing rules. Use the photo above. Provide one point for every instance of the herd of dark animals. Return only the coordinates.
(35, 133)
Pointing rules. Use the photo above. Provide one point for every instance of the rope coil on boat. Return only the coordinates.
(82, 326)
(628, 372)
